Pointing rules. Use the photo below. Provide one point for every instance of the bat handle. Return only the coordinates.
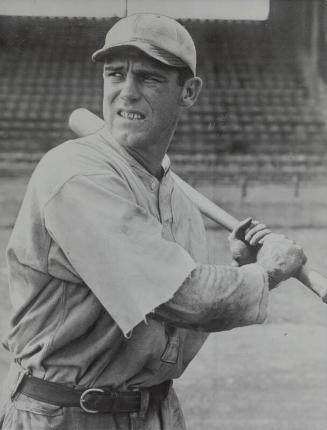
(314, 281)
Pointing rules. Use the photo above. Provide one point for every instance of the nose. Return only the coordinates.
(130, 90)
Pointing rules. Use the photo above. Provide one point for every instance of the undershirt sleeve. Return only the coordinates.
(116, 247)
(215, 298)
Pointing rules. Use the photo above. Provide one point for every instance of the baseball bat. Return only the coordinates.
(83, 122)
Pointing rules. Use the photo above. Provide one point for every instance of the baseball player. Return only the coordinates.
(109, 280)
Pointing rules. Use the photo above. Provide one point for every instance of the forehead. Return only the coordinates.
(130, 54)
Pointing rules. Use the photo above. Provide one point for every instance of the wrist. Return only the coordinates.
(235, 263)
(274, 275)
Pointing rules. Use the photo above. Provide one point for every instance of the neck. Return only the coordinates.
(150, 159)
(149, 155)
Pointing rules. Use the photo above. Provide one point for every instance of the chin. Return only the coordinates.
(125, 138)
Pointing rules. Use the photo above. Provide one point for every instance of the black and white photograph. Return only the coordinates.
(163, 214)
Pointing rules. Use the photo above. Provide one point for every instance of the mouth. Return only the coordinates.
(130, 115)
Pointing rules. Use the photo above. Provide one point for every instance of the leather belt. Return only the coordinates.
(92, 400)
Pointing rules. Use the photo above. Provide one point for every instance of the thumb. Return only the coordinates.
(239, 231)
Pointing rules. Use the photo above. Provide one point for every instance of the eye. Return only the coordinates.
(148, 77)
(114, 75)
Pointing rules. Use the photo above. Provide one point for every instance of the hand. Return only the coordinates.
(280, 257)
(246, 239)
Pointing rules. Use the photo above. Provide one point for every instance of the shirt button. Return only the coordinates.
(153, 186)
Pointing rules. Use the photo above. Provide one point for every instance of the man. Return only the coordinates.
(107, 261)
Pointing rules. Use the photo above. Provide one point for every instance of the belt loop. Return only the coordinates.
(140, 415)
(20, 376)
(133, 421)
(145, 397)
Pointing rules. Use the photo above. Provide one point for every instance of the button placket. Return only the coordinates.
(165, 206)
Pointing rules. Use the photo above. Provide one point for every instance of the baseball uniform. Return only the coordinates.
(99, 247)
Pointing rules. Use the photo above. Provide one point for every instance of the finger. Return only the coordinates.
(253, 230)
(241, 228)
(255, 240)
(253, 223)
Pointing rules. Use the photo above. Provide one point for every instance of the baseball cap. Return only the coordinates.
(158, 36)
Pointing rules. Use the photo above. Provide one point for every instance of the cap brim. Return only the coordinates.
(157, 53)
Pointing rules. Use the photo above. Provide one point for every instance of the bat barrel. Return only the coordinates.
(83, 122)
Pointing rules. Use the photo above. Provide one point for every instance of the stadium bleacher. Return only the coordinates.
(255, 116)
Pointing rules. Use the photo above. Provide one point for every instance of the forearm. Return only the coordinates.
(216, 298)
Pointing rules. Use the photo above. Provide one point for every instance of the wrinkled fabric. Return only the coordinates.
(98, 244)
(96, 198)
(229, 297)
(62, 328)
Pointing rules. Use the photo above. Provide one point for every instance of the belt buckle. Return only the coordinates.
(82, 399)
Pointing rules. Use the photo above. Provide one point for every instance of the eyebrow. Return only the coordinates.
(139, 71)
(113, 68)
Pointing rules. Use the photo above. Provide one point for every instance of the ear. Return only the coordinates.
(190, 92)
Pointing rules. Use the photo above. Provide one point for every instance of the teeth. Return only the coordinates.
(130, 115)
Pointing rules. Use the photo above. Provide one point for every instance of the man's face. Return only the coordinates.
(141, 99)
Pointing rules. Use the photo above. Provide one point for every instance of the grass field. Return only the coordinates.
(268, 377)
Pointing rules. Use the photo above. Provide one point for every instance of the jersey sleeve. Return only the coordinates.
(116, 247)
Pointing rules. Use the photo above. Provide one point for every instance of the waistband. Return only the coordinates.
(92, 400)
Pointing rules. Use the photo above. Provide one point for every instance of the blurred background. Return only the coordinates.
(255, 143)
